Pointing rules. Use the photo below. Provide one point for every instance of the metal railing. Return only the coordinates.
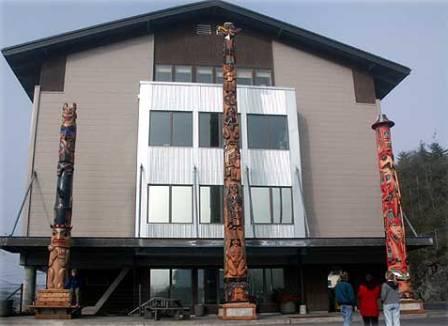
(13, 294)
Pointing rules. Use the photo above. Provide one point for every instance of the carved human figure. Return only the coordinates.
(59, 250)
(236, 262)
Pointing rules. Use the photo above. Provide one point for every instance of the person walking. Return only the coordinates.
(368, 295)
(390, 296)
(345, 297)
(73, 284)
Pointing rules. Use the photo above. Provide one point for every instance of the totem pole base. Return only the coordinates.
(411, 306)
(54, 304)
(237, 311)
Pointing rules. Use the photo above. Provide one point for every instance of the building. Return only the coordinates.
(147, 200)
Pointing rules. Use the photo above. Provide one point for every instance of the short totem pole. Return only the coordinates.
(55, 301)
(394, 228)
(237, 304)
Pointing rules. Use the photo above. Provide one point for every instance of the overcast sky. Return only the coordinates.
(412, 33)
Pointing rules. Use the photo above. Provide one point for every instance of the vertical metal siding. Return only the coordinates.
(175, 165)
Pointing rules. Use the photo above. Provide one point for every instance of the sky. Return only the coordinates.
(412, 33)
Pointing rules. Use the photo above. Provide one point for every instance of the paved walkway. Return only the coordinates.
(429, 318)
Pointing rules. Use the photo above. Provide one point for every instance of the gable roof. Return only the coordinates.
(25, 59)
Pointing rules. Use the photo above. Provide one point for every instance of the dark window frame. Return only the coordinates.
(170, 201)
(271, 206)
(171, 126)
(248, 115)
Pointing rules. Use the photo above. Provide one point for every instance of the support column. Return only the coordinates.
(55, 302)
(396, 255)
(237, 304)
(29, 287)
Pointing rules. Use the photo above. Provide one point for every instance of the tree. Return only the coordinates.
(423, 175)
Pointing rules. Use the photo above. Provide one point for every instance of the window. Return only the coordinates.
(212, 204)
(164, 73)
(272, 205)
(263, 78)
(170, 204)
(172, 283)
(182, 74)
(204, 75)
(267, 131)
(244, 76)
(210, 126)
(219, 79)
(168, 128)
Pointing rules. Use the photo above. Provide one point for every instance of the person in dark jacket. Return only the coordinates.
(74, 284)
(345, 297)
(368, 295)
(390, 296)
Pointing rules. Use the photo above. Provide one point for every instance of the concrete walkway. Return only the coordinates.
(429, 318)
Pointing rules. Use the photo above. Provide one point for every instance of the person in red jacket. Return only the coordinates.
(368, 294)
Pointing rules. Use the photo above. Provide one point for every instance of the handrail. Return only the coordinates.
(299, 179)
(33, 176)
(20, 288)
(410, 225)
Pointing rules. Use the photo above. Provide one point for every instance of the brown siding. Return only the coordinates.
(105, 84)
(181, 45)
(341, 182)
(52, 74)
(364, 87)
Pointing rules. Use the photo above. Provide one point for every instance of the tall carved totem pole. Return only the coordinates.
(55, 301)
(237, 304)
(396, 253)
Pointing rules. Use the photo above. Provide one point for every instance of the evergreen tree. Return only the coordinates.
(423, 176)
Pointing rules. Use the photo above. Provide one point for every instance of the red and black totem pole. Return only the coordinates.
(394, 228)
(55, 297)
(237, 304)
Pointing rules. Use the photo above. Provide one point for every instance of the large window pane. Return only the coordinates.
(244, 76)
(276, 205)
(256, 286)
(261, 205)
(211, 198)
(279, 132)
(267, 131)
(182, 129)
(158, 204)
(210, 125)
(286, 206)
(160, 283)
(164, 73)
(258, 131)
(181, 286)
(204, 75)
(263, 78)
(181, 204)
(182, 74)
(159, 129)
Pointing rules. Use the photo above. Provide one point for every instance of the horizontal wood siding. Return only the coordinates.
(104, 82)
(341, 181)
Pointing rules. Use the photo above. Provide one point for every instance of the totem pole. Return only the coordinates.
(237, 304)
(55, 296)
(394, 228)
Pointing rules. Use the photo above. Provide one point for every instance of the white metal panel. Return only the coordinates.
(175, 97)
(168, 231)
(211, 166)
(261, 100)
(175, 165)
(170, 165)
(269, 167)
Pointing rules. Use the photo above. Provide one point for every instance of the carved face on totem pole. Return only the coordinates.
(59, 257)
(68, 115)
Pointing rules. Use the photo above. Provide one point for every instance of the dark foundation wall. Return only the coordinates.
(182, 45)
